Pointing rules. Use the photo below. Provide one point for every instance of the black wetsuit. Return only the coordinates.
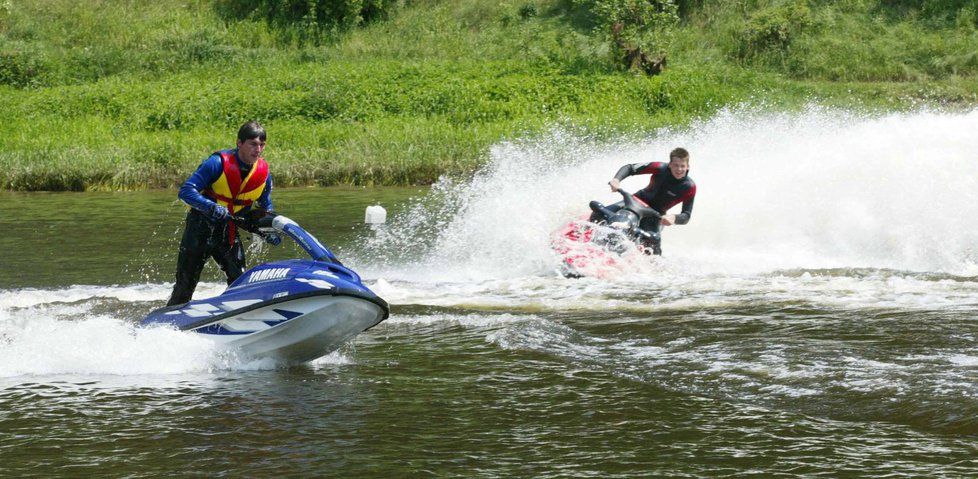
(664, 192)
(204, 237)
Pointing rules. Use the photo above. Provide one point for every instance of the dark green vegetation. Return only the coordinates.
(131, 94)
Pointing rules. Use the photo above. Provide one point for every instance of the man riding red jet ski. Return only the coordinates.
(592, 244)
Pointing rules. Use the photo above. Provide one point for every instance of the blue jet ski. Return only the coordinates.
(292, 311)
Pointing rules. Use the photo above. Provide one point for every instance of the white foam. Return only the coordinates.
(815, 189)
(823, 191)
(32, 297)
(98, 345)
(637, 293)
(52, 332)
(464, 320)
(963, 360)
(335, 358)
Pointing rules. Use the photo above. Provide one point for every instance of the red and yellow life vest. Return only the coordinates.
(236, 193)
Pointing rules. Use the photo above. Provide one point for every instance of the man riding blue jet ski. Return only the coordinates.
(291, 311)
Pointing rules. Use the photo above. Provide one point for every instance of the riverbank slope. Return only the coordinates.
(130, 95)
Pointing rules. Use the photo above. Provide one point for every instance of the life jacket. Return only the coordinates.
(236, 193)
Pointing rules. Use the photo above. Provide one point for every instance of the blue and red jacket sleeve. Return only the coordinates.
(207, 173)
(265, 200)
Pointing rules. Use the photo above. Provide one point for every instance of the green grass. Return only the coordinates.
(339, 123)
(123, 95)
(849, 40)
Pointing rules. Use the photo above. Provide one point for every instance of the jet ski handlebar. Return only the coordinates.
(632, 204)
(272, 222)
(601, 209)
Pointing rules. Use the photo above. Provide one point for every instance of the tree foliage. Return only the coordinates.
(646, 26)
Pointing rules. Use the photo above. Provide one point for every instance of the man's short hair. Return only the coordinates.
(679, 154)
(250, 131)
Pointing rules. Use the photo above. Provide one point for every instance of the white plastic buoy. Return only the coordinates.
(375, 215)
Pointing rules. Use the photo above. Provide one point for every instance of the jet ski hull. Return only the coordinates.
(579, 254)
(291, 311)
(324, 323)
(598, 249)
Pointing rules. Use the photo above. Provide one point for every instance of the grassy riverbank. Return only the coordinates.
(120, 95)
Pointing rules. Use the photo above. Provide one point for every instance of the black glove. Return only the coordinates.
(218, 213)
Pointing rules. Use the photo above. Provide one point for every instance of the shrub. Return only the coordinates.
(528, 11)
(20, 68)
(644, 24)
(774, 28)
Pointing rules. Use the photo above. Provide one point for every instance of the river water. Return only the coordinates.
(816, 317)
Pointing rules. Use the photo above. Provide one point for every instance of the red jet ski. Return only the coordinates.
(596, 244)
